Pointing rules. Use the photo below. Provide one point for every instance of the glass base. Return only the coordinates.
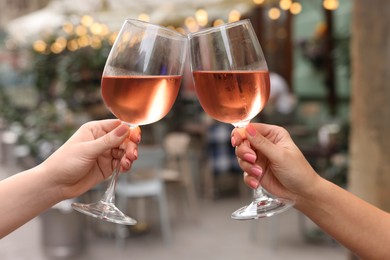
(262, 208)
(105, 211)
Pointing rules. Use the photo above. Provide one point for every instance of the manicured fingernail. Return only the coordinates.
(121, 130)
(253, 183)
(257, 171)
(233, 141)
(249, 157)
(251, 130)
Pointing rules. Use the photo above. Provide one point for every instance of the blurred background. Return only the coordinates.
(329, 63)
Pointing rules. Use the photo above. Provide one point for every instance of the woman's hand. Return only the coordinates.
(267, 154)
(90, 156)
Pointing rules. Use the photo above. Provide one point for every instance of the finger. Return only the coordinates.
(107, 125)
(238, 136)
(125, 164)
(250, 181)
(259, 142)
(253, 169)
(131, 156)
(246, 153)
(135, 135)
(117, 153)
(112, 139)
(132, 151)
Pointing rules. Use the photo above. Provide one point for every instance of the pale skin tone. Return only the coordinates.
(356, 224)
(85, 160)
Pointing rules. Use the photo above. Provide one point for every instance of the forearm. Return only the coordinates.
(23, 197)
(359, 226)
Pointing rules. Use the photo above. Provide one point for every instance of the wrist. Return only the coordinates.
(310, 193)
(50, 188)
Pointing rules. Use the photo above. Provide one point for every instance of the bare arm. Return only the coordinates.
(358, 225)
(24, 196)
(86, 159)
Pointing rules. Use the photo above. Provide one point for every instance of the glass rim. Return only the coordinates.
(217, 28)
(174, 33)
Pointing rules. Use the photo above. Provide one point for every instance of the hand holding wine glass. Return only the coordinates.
(140, 83)
(232, 84)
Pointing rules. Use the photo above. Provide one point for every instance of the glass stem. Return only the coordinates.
(258, 194)
(109, 195)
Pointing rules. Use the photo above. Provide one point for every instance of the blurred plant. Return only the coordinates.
(74, 56)
(65, 68)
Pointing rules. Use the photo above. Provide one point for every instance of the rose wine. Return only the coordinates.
(140, 100)
(232, 96)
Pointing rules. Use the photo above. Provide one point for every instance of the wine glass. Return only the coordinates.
(141, 80)
(232, 84)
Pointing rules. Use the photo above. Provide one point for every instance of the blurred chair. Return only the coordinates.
(144, 181)
(222, 174)
(178, 170)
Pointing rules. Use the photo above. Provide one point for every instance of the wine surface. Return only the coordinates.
(140, 100)
(232, 96)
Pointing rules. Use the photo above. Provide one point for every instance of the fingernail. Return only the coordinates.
(233, 141)
(253, 183)
(249, 157)
(257, 171)
(135, 154)
(121, 130)
(138, 139)
(127, 163)
(251, 130)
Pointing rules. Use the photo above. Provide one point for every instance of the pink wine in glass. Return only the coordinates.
(232, 96)
(140, 100)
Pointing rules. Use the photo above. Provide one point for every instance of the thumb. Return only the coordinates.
(112, 139)
(260, 143)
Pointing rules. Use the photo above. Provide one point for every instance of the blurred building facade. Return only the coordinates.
(11, 9)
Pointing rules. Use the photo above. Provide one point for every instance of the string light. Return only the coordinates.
(285, 4)
(295, 8)
(96, 29)
(83, 41)
(234, 16)
(81, 30)
(72, 45)
(86, 20)
(62, 41)
(39, 46)
(191, 24)
(202, 17)
(68, 28)
(112, 37)
(57, 47)
(86, 33)
(274, 13)
(258, 2)
(181, 30)
(330, 4)
(96, 43)
(144, 17)
(218, 22)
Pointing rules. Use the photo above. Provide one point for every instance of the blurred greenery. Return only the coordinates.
(66, 86)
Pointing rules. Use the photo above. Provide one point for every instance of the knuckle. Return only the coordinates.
(107, 140)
